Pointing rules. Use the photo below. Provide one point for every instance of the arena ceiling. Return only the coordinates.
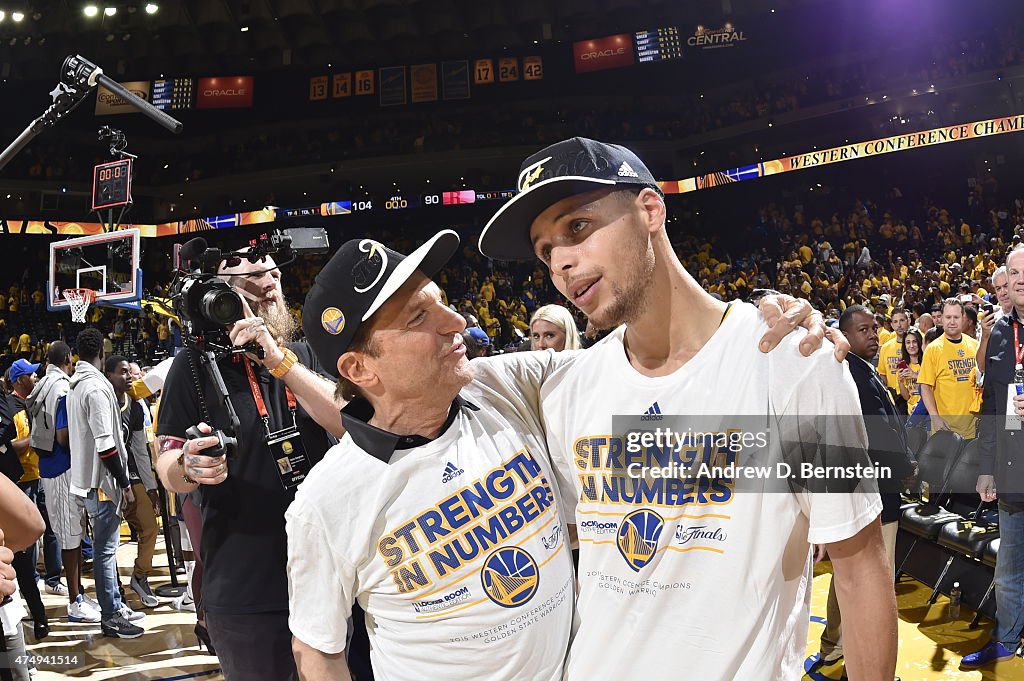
(250, 35)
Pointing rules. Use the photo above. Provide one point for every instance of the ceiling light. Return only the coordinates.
(151, 8)
(91, 10)
(109, 11)
(17, 16)
(3, 15)
(245, 29)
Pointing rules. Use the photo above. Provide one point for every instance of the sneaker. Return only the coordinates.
(91, 602)
(119, 627)
(184, 602)
(140, 585)
(993, 652)
(130, 614)
(81, 611)
(57, 589)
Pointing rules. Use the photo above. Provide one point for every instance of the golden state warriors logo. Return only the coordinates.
(638, 537)
(333, 320)
(287, 448)
(510, 576)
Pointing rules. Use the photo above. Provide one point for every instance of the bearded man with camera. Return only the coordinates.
(241, 430)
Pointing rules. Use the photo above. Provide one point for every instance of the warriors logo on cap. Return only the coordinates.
(333, 321)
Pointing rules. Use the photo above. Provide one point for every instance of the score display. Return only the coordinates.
(173, 94)
(660, 44)
(394, 202)
(112, 184)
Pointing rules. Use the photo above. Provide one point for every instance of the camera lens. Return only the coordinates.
(222, 306)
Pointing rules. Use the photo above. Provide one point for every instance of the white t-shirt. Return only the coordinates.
(712, 586)
(455, 549)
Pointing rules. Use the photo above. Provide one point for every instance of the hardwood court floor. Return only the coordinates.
(930, 644)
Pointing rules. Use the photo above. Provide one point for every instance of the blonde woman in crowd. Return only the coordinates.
(553, 326)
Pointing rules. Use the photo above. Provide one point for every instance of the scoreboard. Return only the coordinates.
(661, 44)
(394, 202)
(173, 94)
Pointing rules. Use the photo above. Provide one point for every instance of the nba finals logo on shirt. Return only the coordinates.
(333, 320)
(510, 576)
(638, 537)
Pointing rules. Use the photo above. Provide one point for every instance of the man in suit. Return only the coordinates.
(1002, 434)
(887, 444)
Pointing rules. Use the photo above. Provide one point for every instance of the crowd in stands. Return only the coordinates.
(473, 126)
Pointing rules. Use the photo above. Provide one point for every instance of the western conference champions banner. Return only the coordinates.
(847, 152)
(814, 159)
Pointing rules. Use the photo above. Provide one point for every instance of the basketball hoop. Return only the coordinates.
(79, 300)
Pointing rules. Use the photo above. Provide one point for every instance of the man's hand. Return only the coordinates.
(820, 552)
(785, 313)
(7, 574)
(986, 487)
(251, 329)
(129, 496)
(154, 498)
(987, 321)
(205, 470)
(939, 424)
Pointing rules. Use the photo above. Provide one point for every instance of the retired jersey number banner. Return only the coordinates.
(848, 152)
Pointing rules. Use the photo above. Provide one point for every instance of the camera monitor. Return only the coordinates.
(107, 263)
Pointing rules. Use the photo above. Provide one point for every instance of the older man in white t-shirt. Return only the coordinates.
(436, 511)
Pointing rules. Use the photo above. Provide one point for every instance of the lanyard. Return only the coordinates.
(257, 395)
(1018, 351)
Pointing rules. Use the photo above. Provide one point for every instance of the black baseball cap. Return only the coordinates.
(573, 166)
(355, 282)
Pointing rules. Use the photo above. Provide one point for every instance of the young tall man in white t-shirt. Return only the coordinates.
(704, 582)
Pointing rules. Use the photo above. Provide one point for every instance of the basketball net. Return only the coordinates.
(79, 300)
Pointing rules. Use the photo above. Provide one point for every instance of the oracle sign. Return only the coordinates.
(224, 93)
(603, 53)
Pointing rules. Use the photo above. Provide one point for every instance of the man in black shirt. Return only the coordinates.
(244, 496)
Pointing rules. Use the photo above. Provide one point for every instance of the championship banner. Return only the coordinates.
(455, 79)
(108, 103)
(392, 85)
(848, 152)
(424, 82)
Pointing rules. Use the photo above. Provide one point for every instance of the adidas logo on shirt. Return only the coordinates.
(451, 471)
(653, 413)
(626, 171)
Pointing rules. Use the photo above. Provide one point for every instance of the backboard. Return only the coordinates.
(107, 263)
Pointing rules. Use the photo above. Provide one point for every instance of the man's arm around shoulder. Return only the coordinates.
(867, 599)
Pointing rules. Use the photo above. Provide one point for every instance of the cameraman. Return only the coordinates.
(244, 495)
